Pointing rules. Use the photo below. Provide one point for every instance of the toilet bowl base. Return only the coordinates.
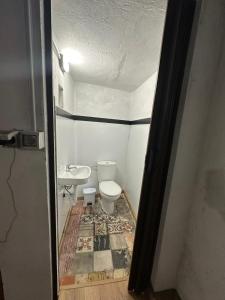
(107, 206)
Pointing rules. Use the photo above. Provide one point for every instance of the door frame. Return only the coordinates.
(52, 170)
(175, 60)
(173, 63)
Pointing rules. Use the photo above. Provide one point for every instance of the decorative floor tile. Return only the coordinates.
(77, 208)
(117, 241)
(129, 237)
(86, 219)
(114, 219)
(121, 259)
(98, 219)
(67, 280)
(109, 274)
(101, 242)
(103, 260)
(73, 224)
(95, 245)
(86, 230)
(120, 273)
(85, 244)
(96, 276)
(83, 263)
(128, 227)
(81, 278)
(88, 210)
(115, 228)
(100, 229)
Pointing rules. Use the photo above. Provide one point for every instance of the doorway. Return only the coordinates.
(70, 279)
(103, 116)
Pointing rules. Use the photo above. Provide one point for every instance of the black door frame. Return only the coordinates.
(174, 54)
(50, 105)
(176, 38)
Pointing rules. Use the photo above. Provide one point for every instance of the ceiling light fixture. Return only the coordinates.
(72, 56)
(64, 64)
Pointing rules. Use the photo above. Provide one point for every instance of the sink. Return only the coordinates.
(76, 175)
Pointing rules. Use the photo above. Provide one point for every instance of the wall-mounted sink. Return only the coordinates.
(75, 175)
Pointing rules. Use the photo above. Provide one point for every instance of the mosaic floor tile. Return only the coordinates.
(114, 219)
(85, 244)
(83, 263)
(77, 208)
(73, 224)
(67, 280)
(129, 237)
(96, 276)
(120, 273)
(81, 279)
(117, 241)
(100, 229)
(86, 219)
(103, 260)
(101, 242)
(128, 227)
(115, 228)
(88, 210)
(98, 219)
(121, 259)
(86, 230)
(109, 274)
(96, 246)
(97, 208)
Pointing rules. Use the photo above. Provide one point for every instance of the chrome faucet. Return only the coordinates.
(70, 167)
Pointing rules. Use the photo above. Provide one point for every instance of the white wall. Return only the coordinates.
(25, 260)
(66, 137)
(142, 99)
(183, 171)
(101, 141)
(66, 146)
(99, 101)
(66, 82)
(96, 141)
(66, 142)
(135, 159)
(202, 267)
(141, 105)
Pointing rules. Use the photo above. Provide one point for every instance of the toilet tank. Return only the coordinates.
(106, 170)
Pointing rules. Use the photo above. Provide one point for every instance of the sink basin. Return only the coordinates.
(75, 176)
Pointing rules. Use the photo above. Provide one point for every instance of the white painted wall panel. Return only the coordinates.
(180, 193)
(65, 81)
(141, 106)
(102, 141)
(99, 101)
(202, 267)
(142, 99)
(65, 142)
(135, 160)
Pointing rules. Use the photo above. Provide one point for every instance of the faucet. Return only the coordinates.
(70, 167)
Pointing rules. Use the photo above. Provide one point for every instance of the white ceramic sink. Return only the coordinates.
(75, 176)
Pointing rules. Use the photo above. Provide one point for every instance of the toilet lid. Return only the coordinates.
(110, 188)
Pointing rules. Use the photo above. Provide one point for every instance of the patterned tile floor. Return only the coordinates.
(96, 246)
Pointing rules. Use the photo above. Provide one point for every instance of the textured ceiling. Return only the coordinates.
(120, 40)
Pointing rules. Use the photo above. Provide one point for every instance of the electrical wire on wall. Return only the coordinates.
(12, 198)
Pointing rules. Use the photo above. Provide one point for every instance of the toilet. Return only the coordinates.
(109, 190)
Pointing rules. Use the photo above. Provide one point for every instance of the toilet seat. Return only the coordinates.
(110, 188)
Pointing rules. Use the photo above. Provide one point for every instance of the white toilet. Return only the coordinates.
(109, 190)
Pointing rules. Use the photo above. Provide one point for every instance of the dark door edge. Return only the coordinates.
(174, 54)
(51, 143)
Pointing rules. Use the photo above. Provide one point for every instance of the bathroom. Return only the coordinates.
(104, 93)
